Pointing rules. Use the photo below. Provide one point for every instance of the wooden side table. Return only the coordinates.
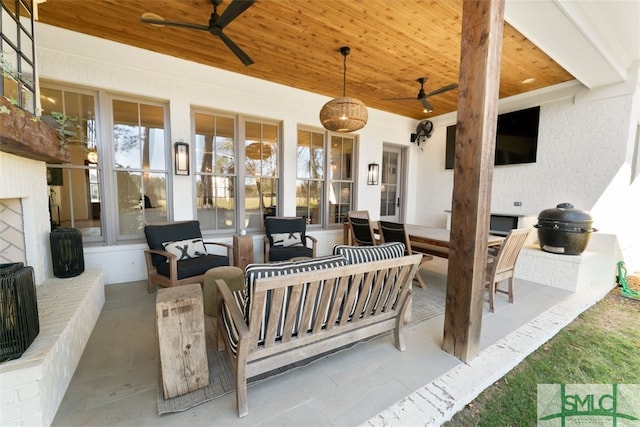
(181, 339)
(242, 250)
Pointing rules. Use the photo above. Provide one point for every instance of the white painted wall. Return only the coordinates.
(586, 138)
(586, 150)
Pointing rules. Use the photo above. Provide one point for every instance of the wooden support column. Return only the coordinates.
(480, 55)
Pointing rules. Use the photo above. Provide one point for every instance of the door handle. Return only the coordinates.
(398, 202)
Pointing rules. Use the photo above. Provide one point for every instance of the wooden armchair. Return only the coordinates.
(395, 232)
(286, 238)
(177, 255)
(502, 265)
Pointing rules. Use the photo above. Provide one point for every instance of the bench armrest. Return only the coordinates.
(226, 299)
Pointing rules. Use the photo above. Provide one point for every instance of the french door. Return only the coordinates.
(391, 189)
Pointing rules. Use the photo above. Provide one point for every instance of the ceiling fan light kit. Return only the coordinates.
(422, 95)
(344, 114)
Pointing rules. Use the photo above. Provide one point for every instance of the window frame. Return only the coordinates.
(323, 181)
(329, 179)
(110, 159)
(240, 141)
(67, 169)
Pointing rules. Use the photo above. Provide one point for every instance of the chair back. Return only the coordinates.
(358, 214)
(509, 250)
(278, 225)
(362, 231)
(394, 232)
(162, 233)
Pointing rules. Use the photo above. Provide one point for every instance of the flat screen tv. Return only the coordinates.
(516, 138)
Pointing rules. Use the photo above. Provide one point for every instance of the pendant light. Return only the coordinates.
(344, 114)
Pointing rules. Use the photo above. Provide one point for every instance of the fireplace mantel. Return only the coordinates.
(23, 134)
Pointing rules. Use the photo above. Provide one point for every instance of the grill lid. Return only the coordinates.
(565, 216)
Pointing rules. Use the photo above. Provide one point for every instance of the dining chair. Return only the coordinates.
(502, 266)
(396, 232)
(361, 228)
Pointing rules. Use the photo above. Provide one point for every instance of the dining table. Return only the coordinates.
(436, 240)
(431, 240)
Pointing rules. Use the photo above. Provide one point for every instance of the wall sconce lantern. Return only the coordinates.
(374, 173)
(181, 158)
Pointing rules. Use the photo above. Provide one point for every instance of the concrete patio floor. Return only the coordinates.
(370, 384)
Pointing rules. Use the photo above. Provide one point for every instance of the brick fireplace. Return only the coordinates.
(32, 386)
(24, 214)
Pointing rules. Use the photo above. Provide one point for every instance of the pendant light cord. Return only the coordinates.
(344, 78)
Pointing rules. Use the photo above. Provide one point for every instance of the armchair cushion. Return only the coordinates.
(186, 249)
(194, 266)
(280, 253)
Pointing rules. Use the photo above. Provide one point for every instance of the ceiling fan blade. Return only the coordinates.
(426, 104)
(399, 99)
(233, 11)
(174, 24)
(443, 89)
(246, 60)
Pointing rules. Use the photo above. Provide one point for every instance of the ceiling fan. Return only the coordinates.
(216, 24)
(422, 95)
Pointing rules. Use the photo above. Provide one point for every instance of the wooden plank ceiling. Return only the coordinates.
(296, 43)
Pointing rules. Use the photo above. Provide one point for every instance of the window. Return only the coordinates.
(223, 162)
(215, 171)
(140, 165)
(17, 53)
(74, 189)
(314, 187)
(261, 144)
(341, 178)
(109, 190)
(311, 177)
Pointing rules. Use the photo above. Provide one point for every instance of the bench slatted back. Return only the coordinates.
(373, 288)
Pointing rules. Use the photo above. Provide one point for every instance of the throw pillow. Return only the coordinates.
(287, 240)
(186, 249)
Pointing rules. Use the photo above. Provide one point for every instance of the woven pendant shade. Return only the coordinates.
(344, 114)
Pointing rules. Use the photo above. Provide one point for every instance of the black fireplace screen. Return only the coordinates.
(18, 310)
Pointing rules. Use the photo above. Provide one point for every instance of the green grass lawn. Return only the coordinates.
(602, 346)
